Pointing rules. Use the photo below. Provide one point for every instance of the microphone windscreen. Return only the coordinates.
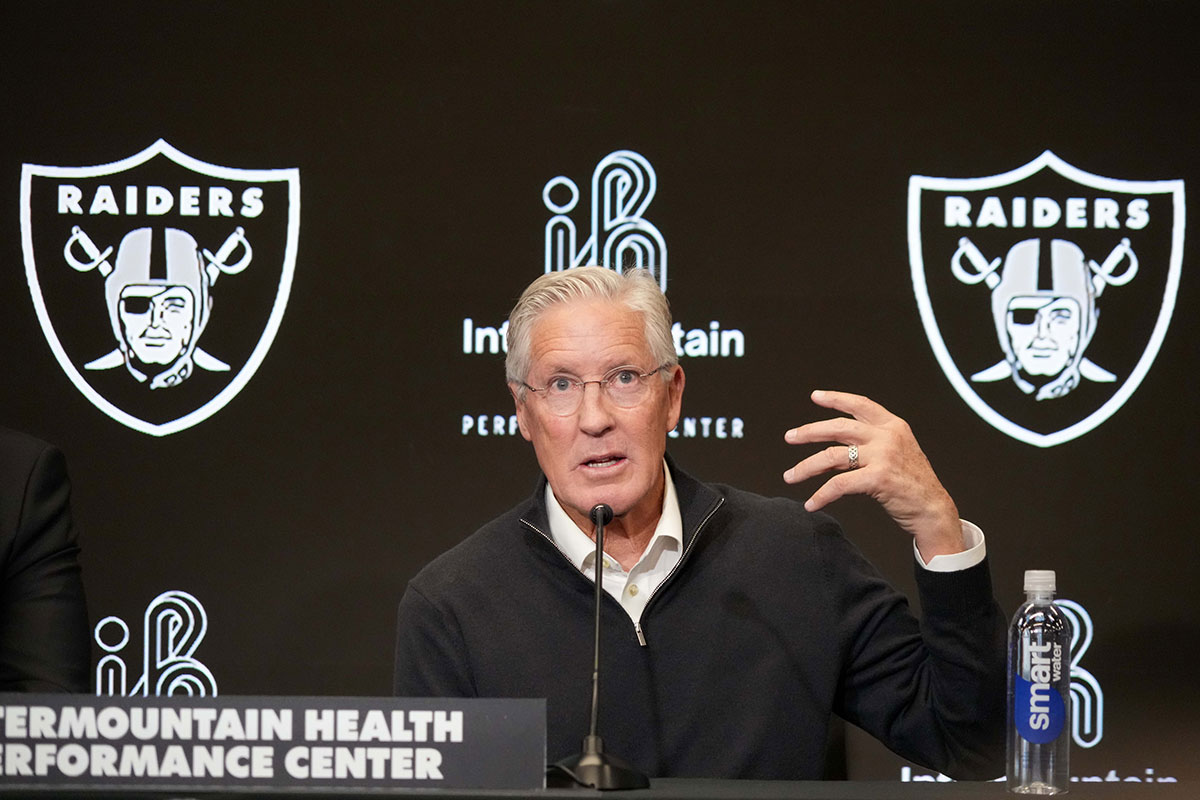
(602, 514)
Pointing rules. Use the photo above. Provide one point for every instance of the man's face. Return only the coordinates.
(601, 453)
(1044, 332)
(157, 321)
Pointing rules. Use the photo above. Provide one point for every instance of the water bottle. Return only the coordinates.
(1039, 691)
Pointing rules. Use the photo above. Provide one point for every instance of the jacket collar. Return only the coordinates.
(697, 501)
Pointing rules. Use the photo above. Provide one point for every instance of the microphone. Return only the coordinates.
(593, 767)
(601, 515)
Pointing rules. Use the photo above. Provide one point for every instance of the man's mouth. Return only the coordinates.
(603, 461)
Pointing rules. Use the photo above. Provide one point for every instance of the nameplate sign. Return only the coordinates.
(69, 741)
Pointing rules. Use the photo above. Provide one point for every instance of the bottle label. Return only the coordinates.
(1039, 711)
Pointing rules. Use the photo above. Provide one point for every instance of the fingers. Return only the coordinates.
(827, 460)
(835, 458)
(837, 487)
(891, 468)
(863, 429)
(861, 408)
(865, 414)
(838, 429)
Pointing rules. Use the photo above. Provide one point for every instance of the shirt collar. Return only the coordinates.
(579, 547)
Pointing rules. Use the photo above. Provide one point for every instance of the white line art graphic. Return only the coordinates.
(157, 321)
(1025, 323)
(138, 306)
(623, 184)
(1087, 698)
(1044, 332)
(173, 627)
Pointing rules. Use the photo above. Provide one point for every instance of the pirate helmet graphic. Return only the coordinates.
(158, 300)
(159, 297)
(1045, 310)
(1045, 313)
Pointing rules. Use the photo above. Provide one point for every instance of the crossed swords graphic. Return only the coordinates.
(217, 263)
(985, 270)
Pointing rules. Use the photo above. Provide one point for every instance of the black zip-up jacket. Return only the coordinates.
(44, 634)
(771, 621)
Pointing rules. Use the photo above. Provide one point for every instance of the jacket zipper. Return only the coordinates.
(641, 634)
(637, 626)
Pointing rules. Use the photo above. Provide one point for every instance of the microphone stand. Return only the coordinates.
(593, 767)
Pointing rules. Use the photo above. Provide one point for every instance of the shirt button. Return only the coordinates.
(633, 590)
(607, 564)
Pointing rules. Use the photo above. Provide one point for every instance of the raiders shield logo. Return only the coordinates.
(160, 280)
(1046, 291)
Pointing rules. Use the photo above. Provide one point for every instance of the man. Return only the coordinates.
(44, 643)
(735, 624)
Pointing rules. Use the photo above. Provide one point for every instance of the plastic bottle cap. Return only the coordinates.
(1039, 580)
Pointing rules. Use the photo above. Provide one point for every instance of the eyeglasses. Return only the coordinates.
(624, 386)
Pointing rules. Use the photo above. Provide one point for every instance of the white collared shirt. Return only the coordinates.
(633, 589)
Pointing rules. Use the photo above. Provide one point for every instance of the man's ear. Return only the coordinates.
(519, 404)
(675, 396)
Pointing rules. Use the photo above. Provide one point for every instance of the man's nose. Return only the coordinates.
(595, 411)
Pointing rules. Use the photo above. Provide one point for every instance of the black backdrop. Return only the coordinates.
(783, 137)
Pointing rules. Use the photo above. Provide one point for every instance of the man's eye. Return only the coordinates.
(136, 305)
(625, 377)
(1023, 316)
(559, 386)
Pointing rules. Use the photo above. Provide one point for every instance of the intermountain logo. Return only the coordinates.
(160, 280)
(1087, 697)
(1011, 273)
(623, 184)
(172, 628)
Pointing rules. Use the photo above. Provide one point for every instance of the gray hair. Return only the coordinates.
(636, 289)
